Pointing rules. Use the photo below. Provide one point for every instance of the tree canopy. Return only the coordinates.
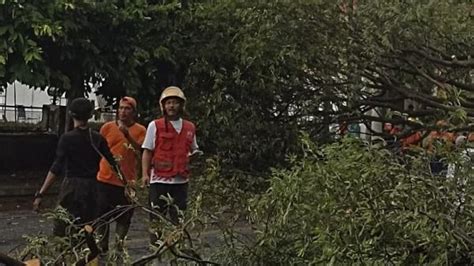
(74, 45)
(258, 73)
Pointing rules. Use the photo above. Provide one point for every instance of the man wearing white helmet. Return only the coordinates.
(169, 142)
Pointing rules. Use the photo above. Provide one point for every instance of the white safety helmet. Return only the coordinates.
(172, 91)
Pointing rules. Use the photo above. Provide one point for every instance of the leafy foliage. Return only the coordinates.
(349, 202)
(74, 45)
(175, 245)
(261, 71)
(256, 73)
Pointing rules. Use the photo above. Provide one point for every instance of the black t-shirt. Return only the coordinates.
(75, 155)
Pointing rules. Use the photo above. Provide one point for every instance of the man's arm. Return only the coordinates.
(50, 178)
(133, 142)
(195, 148)
(146, 163)
(148, 148)
(56, 168)
(106, 154)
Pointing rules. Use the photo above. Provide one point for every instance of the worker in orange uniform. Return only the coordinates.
(124, 137)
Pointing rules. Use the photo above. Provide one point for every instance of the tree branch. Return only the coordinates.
(449, 63)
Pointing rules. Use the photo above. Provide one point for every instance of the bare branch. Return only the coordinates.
(449, 63)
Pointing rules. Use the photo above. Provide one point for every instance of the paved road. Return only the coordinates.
(15, 224)
(19, 220)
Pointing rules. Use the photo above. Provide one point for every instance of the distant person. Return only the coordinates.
(124, 137)
(436, 139)
(77, 156)
(470, 137)
(455, 170)
(169, 143)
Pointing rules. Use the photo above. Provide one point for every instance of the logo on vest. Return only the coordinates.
(189, 135)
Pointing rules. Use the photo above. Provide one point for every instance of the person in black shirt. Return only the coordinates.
(77, 156)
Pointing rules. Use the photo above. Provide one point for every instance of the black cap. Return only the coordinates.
(81, 109)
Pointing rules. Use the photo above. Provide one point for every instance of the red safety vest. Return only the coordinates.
(171, 149)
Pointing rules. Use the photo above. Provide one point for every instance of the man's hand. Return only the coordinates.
(36, 204)
(124, 130)
(195, 153)
(130, 193)
(145, 180)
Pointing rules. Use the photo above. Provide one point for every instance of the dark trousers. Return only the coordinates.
(77, 196)
(179, 195)
(438, 166)
(112, 198)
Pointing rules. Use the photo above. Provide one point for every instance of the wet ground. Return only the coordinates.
(18, 221)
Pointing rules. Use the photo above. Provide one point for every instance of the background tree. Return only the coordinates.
(347, 203)
(275, 68)
(75, 46)
(260, 72)
(256, 74)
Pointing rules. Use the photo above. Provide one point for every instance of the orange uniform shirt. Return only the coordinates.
(411, 140)
(121, 149)
(447, 137)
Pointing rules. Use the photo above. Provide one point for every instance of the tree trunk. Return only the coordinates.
(76, 91)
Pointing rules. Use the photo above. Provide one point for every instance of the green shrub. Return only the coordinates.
(351, 203)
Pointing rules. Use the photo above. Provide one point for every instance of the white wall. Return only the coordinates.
(26, 96)
(30, 97)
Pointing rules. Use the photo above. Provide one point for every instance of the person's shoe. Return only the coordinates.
(102, 259)
(120, 245)
(154, 238)
(103, 251)
(157, 244)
